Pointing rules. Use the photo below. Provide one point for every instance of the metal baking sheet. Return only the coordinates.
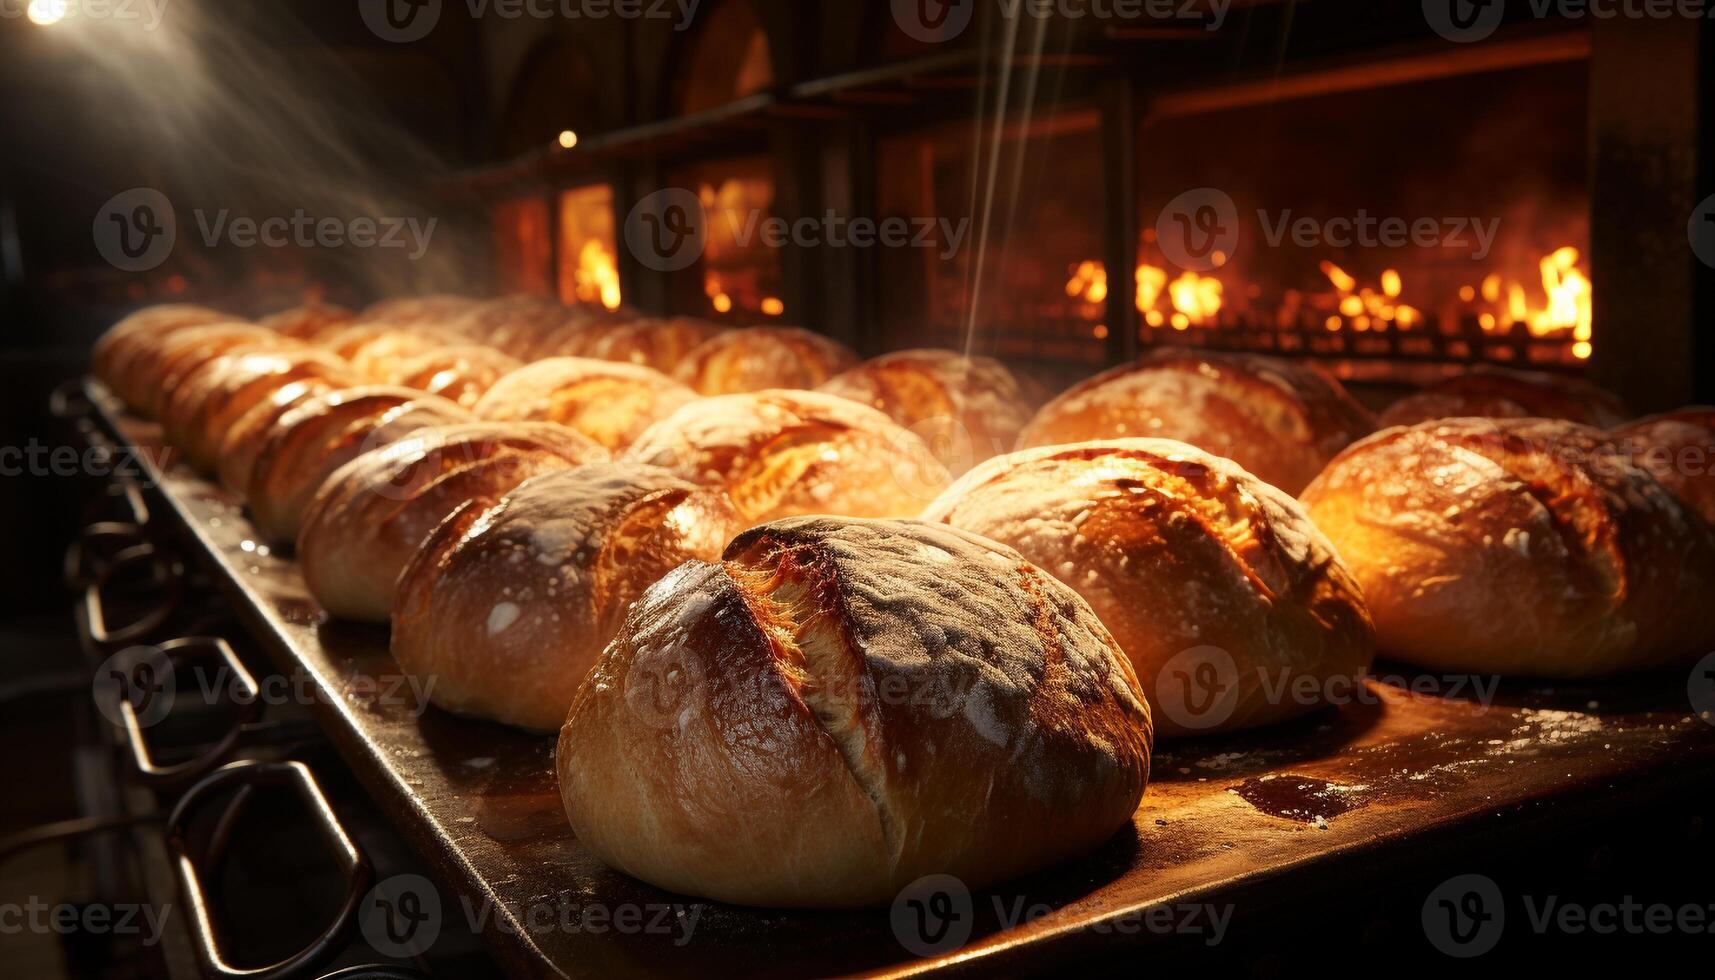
(1242, 822)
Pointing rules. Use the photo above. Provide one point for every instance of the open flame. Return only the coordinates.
(597, 276)
(1498, 305)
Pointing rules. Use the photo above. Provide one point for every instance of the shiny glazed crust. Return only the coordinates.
(757, 358)
(611, 403)
(508, 603)
(1176, 549)
(1517, 546)
(1678, 449)
(461, 373)
(840, 707)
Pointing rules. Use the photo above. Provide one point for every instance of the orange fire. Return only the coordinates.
(597, 276)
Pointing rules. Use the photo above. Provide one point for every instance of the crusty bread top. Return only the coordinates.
(758, 358)
(1507, 393)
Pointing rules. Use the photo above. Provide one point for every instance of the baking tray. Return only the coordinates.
(1397, 778)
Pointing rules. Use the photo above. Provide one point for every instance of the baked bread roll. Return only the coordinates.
(758, 358)
(1279, 420)
(369, 517)
(435, 309)
(1678, 449)
(508, 604)
(658, 344)
(460, 373)
(308, 322)
(573, 337)
(183, 354)
(781, 453)
(966, 408)
(377, 351)
(609, 402)
(321, 434)
(245, 438)
(1517, 546)
(841, 707)
(1176, 550)
(213, 399)
(1504, 393)
(113, 351)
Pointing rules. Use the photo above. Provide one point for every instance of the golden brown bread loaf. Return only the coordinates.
(658, 344)
(1517, 546)
(1279, 420)
(758, 358)
(1175, 550)
(1495, 392)
(840, 707)
(611, 403)
(245, 437)
(508, 604)
(512, 324)
(781, 453)
(322, 433)
(369, 517)
(110, 359)
(209, 402)
(966, 408)
(181, 355)
(460, 373)
(1678, 449)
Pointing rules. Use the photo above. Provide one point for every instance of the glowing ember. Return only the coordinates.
(597, 276)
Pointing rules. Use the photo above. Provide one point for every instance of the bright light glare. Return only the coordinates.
(568, 139)
(44, 13)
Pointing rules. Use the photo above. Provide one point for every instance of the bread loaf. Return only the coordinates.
(839, 707)
(508, 603)
(460, 373)
(780, 453)
(322, 433)
(758, 358)
(1279, 420)
(611, 403)
(966, 408)
(1495, 392)
(1517, 546)
(1188, 560)
(372, 513)
(1678, 449)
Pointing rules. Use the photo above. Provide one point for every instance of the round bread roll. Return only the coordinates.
(841, 707)
(658, 344)
(508, 604)
(966, 408)
(1517, 546)
(377, 351)
(369, 517)
(1279, 420)
(758, 358)
(1188, 560)
(1678, 449)
(308, 322)
(245, 438)
(114, 350)
(611, 403)
(321, 434)
(461, 373)
(212, 400)
(573, 337)
(1494, 392)
(782, 453)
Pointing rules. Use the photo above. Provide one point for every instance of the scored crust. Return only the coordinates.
(842, 706)
(610, 402)
(759, 358)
